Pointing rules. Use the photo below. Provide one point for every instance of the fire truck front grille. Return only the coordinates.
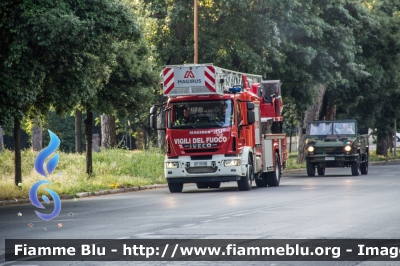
(200, 150)
(201, 170)
(201, 157)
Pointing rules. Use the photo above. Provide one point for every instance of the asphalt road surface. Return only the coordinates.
(337, 205)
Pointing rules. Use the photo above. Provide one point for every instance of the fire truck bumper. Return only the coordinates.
(218, 169)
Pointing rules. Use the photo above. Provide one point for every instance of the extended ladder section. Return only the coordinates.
(199, 79)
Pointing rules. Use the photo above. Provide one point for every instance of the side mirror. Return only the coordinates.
(251, 117)
(153, 121)
(153, 110)
(250, 106)
(303, 131)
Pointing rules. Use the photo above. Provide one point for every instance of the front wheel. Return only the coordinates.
(175, 187)
(310, 169)
(244, 184)
(354, 168)
(273, 178)
(364, 166)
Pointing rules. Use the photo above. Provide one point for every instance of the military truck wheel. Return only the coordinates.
(321, 170)
(201, 185)
(175, 187)
(274, 178)
(214, 184)
(310, 169)
(244, 184)
(355, 166)
(364, 166)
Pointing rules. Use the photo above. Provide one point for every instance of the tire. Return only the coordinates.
(244, 184)
(355, 166)
(321, 170)
(214, 184)
(274, 178)
(175, 187)
(364, 166)
(310, 169)
(201, 185)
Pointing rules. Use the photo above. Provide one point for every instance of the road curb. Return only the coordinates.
(88, 194)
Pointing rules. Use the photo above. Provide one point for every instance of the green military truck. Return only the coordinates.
(336, 144)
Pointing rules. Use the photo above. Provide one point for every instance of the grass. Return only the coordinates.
(379, 158)
(291, 162)
(111, 169)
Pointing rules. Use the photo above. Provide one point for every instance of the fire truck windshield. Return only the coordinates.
(201, 114)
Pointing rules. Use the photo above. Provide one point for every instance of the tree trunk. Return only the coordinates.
(330, 111)
(78, 131)
(382, 145)
(145, 139)
(88, 138)
(290, 141)
(17, 151)
(108, 132)
(37, 136)
(311, 114)
(1, 140)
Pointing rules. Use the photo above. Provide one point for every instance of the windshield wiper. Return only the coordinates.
(337, 133)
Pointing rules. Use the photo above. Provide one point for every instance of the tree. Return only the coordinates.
(130, 87)
(57, 54)
(78, 130)
(37, 136)
(372, 100)
(1, 140)
(317, 49)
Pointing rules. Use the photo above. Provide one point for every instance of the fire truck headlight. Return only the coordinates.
(234, 162)
(347, 148)
(310, 149)
(172, 165)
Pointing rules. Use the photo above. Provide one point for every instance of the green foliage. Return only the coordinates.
(64, 128)
(374, 100)
(59, 53)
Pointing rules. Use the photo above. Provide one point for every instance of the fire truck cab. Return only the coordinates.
(214, 129)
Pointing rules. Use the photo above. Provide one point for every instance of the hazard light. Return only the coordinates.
(235, 90)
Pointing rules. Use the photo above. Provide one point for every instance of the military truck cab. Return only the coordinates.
(336, 144)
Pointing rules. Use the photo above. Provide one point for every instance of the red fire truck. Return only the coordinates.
(221, 126)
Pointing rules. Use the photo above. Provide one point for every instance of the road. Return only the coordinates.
(336, 205)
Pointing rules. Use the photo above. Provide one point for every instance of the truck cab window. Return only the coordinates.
(202, 114)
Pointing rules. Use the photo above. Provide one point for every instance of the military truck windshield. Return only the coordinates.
(332, 128)
(201, 114)
(321, 128)
(345, 128)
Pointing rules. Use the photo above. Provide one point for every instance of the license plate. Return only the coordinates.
(197, 164)
(329, 158)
